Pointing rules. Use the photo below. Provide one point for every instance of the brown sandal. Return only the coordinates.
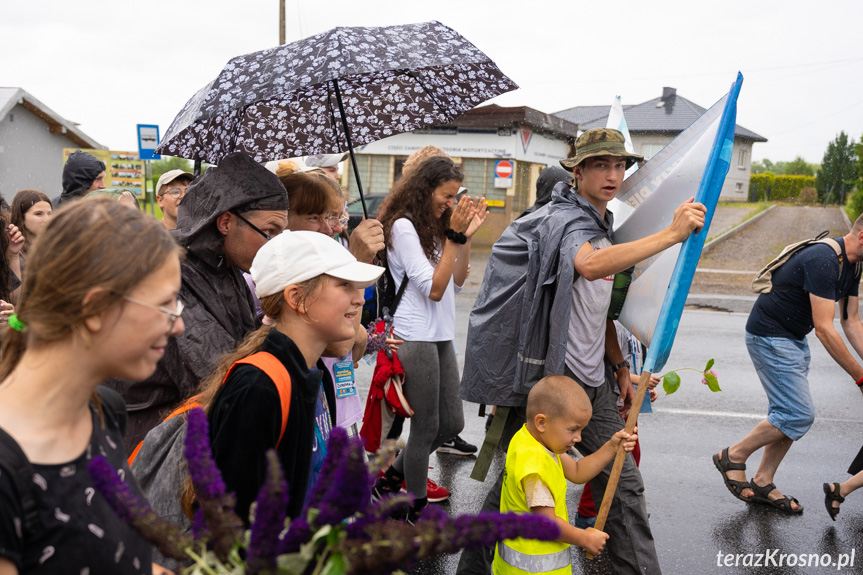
(783, 504)
(724, 465)
(831, 495)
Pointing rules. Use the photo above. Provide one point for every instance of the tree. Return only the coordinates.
(764, 165)
(168, 163)
(838, 169)
(798, 167)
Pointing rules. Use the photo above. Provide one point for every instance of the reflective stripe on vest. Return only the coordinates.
(533, 563)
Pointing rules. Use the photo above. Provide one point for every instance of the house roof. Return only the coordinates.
(672, 115)
(494, 116)
(57, 124)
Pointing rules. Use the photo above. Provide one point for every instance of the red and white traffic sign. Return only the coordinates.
(503, 169)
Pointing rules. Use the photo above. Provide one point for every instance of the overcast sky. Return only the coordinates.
(112, 64)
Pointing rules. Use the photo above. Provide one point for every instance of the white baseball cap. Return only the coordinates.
(294, 257)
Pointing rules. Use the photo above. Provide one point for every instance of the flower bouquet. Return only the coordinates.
(340, 530)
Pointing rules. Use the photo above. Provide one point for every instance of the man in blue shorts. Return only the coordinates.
(805, 289)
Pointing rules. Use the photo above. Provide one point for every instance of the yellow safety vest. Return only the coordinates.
(524, 457)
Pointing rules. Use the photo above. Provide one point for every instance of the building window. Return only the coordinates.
(741, 160)
(650, 150)
(739, 186)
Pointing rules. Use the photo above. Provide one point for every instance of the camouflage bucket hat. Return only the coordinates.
(600, 142)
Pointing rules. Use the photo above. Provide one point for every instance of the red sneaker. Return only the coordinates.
(434, 492)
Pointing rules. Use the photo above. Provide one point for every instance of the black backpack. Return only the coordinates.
(385, 296)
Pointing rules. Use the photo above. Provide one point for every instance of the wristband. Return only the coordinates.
(623, 363)
(859, 381)
(455, 236)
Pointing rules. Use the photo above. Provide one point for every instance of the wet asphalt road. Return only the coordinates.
(693, 516)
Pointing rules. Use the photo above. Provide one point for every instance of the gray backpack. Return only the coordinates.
(763, 281)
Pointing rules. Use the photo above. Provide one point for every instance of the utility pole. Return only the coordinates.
(281, 22)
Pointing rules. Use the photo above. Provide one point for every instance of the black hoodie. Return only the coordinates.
(78, 174)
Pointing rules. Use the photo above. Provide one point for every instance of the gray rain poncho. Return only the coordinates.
(219, 309)
(518, 327)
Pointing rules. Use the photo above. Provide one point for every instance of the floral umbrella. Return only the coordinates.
(333, 91)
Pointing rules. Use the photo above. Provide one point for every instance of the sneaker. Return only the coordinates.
(457, 446)
(583, 522)
(434, 492)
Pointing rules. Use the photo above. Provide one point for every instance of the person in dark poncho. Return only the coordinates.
(82, 174)
(226, 216)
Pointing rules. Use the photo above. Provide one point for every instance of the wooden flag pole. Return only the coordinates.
(611, 486)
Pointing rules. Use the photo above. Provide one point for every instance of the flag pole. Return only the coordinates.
(611, 486)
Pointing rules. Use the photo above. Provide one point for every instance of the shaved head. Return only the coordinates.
(555, 396)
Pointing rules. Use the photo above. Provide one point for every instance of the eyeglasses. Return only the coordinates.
(174, 192)
(253, 226)
(316, 220)
(344, 220)
(172, 314)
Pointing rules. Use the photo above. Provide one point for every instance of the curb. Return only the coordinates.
(712, 243)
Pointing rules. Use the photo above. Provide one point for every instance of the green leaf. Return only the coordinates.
(712, 382)
(709, 364)
(670, 382)
(336, 565)
(292, 563)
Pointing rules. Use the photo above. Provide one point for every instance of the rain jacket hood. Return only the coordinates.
(518, 327)
(238, 184)
(78, 174)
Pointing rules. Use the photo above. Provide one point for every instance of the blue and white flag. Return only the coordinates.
(693, 164)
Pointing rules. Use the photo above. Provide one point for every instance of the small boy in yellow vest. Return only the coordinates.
(536, 474)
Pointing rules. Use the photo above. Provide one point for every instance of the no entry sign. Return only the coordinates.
(503, 174)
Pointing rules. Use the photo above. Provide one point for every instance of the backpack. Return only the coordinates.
(763, 281)
(158, 462)
(383, 297)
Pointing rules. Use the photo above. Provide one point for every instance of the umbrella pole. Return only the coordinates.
(611, 486)
(350, 146)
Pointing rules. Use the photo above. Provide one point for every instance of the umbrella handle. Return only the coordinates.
(350, 146)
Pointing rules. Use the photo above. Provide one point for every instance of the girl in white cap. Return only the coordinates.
(312, 288)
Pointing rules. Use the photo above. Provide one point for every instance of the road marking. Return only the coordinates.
(737, 415)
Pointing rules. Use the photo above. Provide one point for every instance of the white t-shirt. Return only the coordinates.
(417, 317)
(585, 342)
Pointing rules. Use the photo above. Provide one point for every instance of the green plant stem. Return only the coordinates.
(200, 561)
(322, 560)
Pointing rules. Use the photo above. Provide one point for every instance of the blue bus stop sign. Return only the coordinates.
(148, 141)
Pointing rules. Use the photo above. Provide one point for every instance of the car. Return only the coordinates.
(355, 209)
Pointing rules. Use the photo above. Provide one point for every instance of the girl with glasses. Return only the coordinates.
(85, 315)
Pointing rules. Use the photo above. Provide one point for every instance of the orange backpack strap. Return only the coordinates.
(277, 372)
(190, 403)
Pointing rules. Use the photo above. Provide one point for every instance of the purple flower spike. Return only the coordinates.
(217, 506)
(169, 539)
(270, 512)
(298, 533)
(202, 469)
(349, 492)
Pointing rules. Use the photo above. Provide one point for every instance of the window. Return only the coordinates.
(739, 186)
(741, 160)
(650, 150)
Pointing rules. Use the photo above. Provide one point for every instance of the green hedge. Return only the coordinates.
(781, 187)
